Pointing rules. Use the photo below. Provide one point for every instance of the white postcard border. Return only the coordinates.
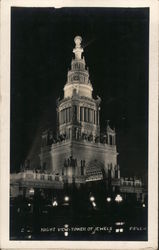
(5, 127)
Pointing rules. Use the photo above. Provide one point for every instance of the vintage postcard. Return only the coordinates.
(79, 127)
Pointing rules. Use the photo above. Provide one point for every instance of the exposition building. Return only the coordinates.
(79, 153)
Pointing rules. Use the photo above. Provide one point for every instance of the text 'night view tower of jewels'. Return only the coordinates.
(79, 153)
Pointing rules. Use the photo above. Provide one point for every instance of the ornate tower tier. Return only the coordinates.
(78, 77)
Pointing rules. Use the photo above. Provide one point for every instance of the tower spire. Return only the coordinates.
(78, 49)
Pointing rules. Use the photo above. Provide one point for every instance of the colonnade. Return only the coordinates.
(65, 115)
(82, 114)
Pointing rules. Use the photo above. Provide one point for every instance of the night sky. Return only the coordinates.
(115, 43)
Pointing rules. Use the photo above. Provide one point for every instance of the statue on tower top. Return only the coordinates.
(78, 40)
(78, 49)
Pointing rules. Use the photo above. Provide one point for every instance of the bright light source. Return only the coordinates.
(31, 191)
(54, 203)
(117, 230)
(92, 198)
(143, 205)
(66, 234)
(66, 226)
(121, 230)
(118, 198)
(108, 199)
(94, 204)
(119, 223)
(29, 204)
(66, 198)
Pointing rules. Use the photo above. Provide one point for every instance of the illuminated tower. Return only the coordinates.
(79, 153)
(78, 112)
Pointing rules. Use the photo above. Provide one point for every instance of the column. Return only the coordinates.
(61, 116)
(69, 114)
(91, 114)
(65, 114)
(78, 110)
(95, 117)
(86, 114)
(98, 118)
(108, 138)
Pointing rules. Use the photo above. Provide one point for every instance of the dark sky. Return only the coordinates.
(115, 42)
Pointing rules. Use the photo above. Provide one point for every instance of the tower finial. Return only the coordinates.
(78, 49)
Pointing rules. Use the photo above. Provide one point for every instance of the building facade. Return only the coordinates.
(79, 152)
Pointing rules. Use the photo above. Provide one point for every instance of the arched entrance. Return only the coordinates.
(95, 171)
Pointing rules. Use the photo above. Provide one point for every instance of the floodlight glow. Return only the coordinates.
(143, 205)
(117, 230)
(121, 230)
(29, 204)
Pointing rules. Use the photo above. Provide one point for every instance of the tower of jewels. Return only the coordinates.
(78, 153)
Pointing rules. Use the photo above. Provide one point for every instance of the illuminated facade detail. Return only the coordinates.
(79, 153)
